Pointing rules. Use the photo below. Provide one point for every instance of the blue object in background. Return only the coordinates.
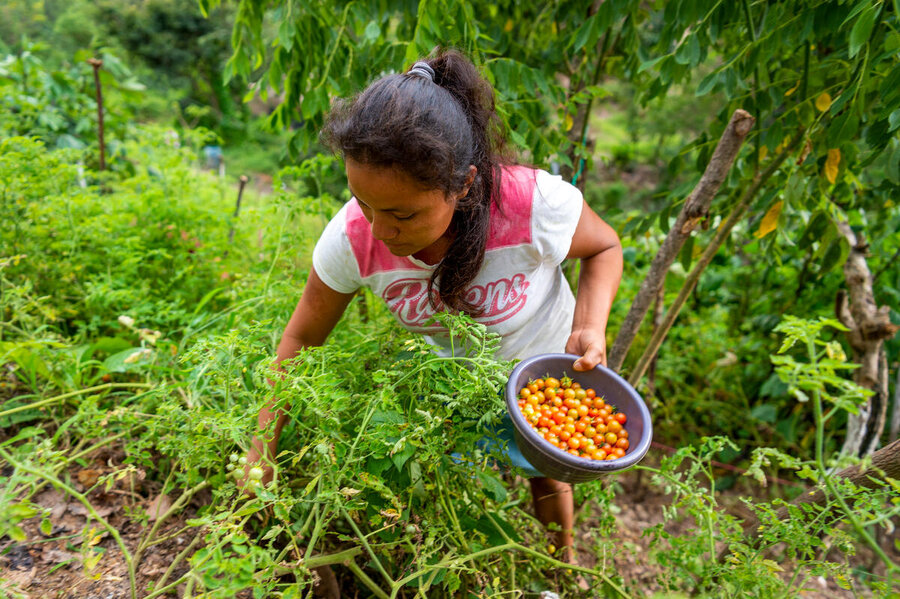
(214, 157)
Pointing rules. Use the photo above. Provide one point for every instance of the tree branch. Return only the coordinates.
(695, 208)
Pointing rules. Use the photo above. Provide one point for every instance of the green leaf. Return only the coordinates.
(110, 345)
(117, 362)
(404, 454)
(862, 28)
(892, 170)
(312, 484)
(16, 534)
(493, 486)
(648, 64)
(46, 527)
(586, 34)
(765, 413)
(894, 120)
(371, 32)
(843, 128)
(688, 53)
(687, 253)
(835, 255)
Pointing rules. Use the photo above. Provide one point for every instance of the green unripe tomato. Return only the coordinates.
(256, 473)
(230, 467)
(233, 458)
(242, 460)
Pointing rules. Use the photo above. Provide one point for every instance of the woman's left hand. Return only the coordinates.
(590, 344)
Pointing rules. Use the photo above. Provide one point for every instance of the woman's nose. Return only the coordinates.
(383, 231)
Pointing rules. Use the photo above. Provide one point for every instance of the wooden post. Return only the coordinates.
(237, 207)
(96, 63)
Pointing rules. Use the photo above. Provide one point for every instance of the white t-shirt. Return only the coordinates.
(521, 287)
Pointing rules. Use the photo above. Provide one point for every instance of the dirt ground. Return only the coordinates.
(52, 566)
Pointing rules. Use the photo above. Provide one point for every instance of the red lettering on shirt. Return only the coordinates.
(501, 300)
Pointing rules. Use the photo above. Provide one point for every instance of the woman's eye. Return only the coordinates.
(404, 217)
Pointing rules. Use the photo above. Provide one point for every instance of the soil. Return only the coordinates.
(53, 566)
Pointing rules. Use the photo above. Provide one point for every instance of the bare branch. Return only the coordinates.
(695, 209)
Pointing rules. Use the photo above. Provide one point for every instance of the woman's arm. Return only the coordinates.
(318, 311)
(598, 246)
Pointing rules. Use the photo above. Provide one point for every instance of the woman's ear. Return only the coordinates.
(470, 178)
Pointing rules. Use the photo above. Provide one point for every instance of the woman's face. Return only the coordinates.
(405, 217)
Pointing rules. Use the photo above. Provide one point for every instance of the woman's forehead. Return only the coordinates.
(388, 188)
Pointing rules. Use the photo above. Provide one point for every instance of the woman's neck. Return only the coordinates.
(435, 252)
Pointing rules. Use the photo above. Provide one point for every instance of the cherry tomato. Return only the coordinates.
(574, 419)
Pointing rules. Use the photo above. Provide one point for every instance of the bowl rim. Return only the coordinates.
(570, 461)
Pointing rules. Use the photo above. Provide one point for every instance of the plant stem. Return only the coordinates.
(178, 559)
(511, 546)
(829, 483)
(126, 555)
(48, 401)
(364, 578)
(177, 505)
(368, 548)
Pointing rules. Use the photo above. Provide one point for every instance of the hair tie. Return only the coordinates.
(422, 69)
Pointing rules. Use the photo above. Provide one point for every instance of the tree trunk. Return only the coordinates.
(695, 209)
(869, 327)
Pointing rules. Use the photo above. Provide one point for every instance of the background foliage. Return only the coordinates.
(625, 98)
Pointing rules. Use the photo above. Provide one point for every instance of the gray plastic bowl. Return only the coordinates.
(556, 463)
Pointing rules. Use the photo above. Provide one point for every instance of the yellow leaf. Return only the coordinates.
(792, 90)
(508, 26)
(763, 152)
(772, 565)
(568, 122)
(823, 102)
(770, 221)
(831, 164)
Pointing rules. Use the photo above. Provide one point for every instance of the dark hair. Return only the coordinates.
(433, 132)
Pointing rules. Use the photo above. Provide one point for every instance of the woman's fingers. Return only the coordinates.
(591, 347)
(595, 354)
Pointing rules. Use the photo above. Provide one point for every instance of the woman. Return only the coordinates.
(442, 219)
